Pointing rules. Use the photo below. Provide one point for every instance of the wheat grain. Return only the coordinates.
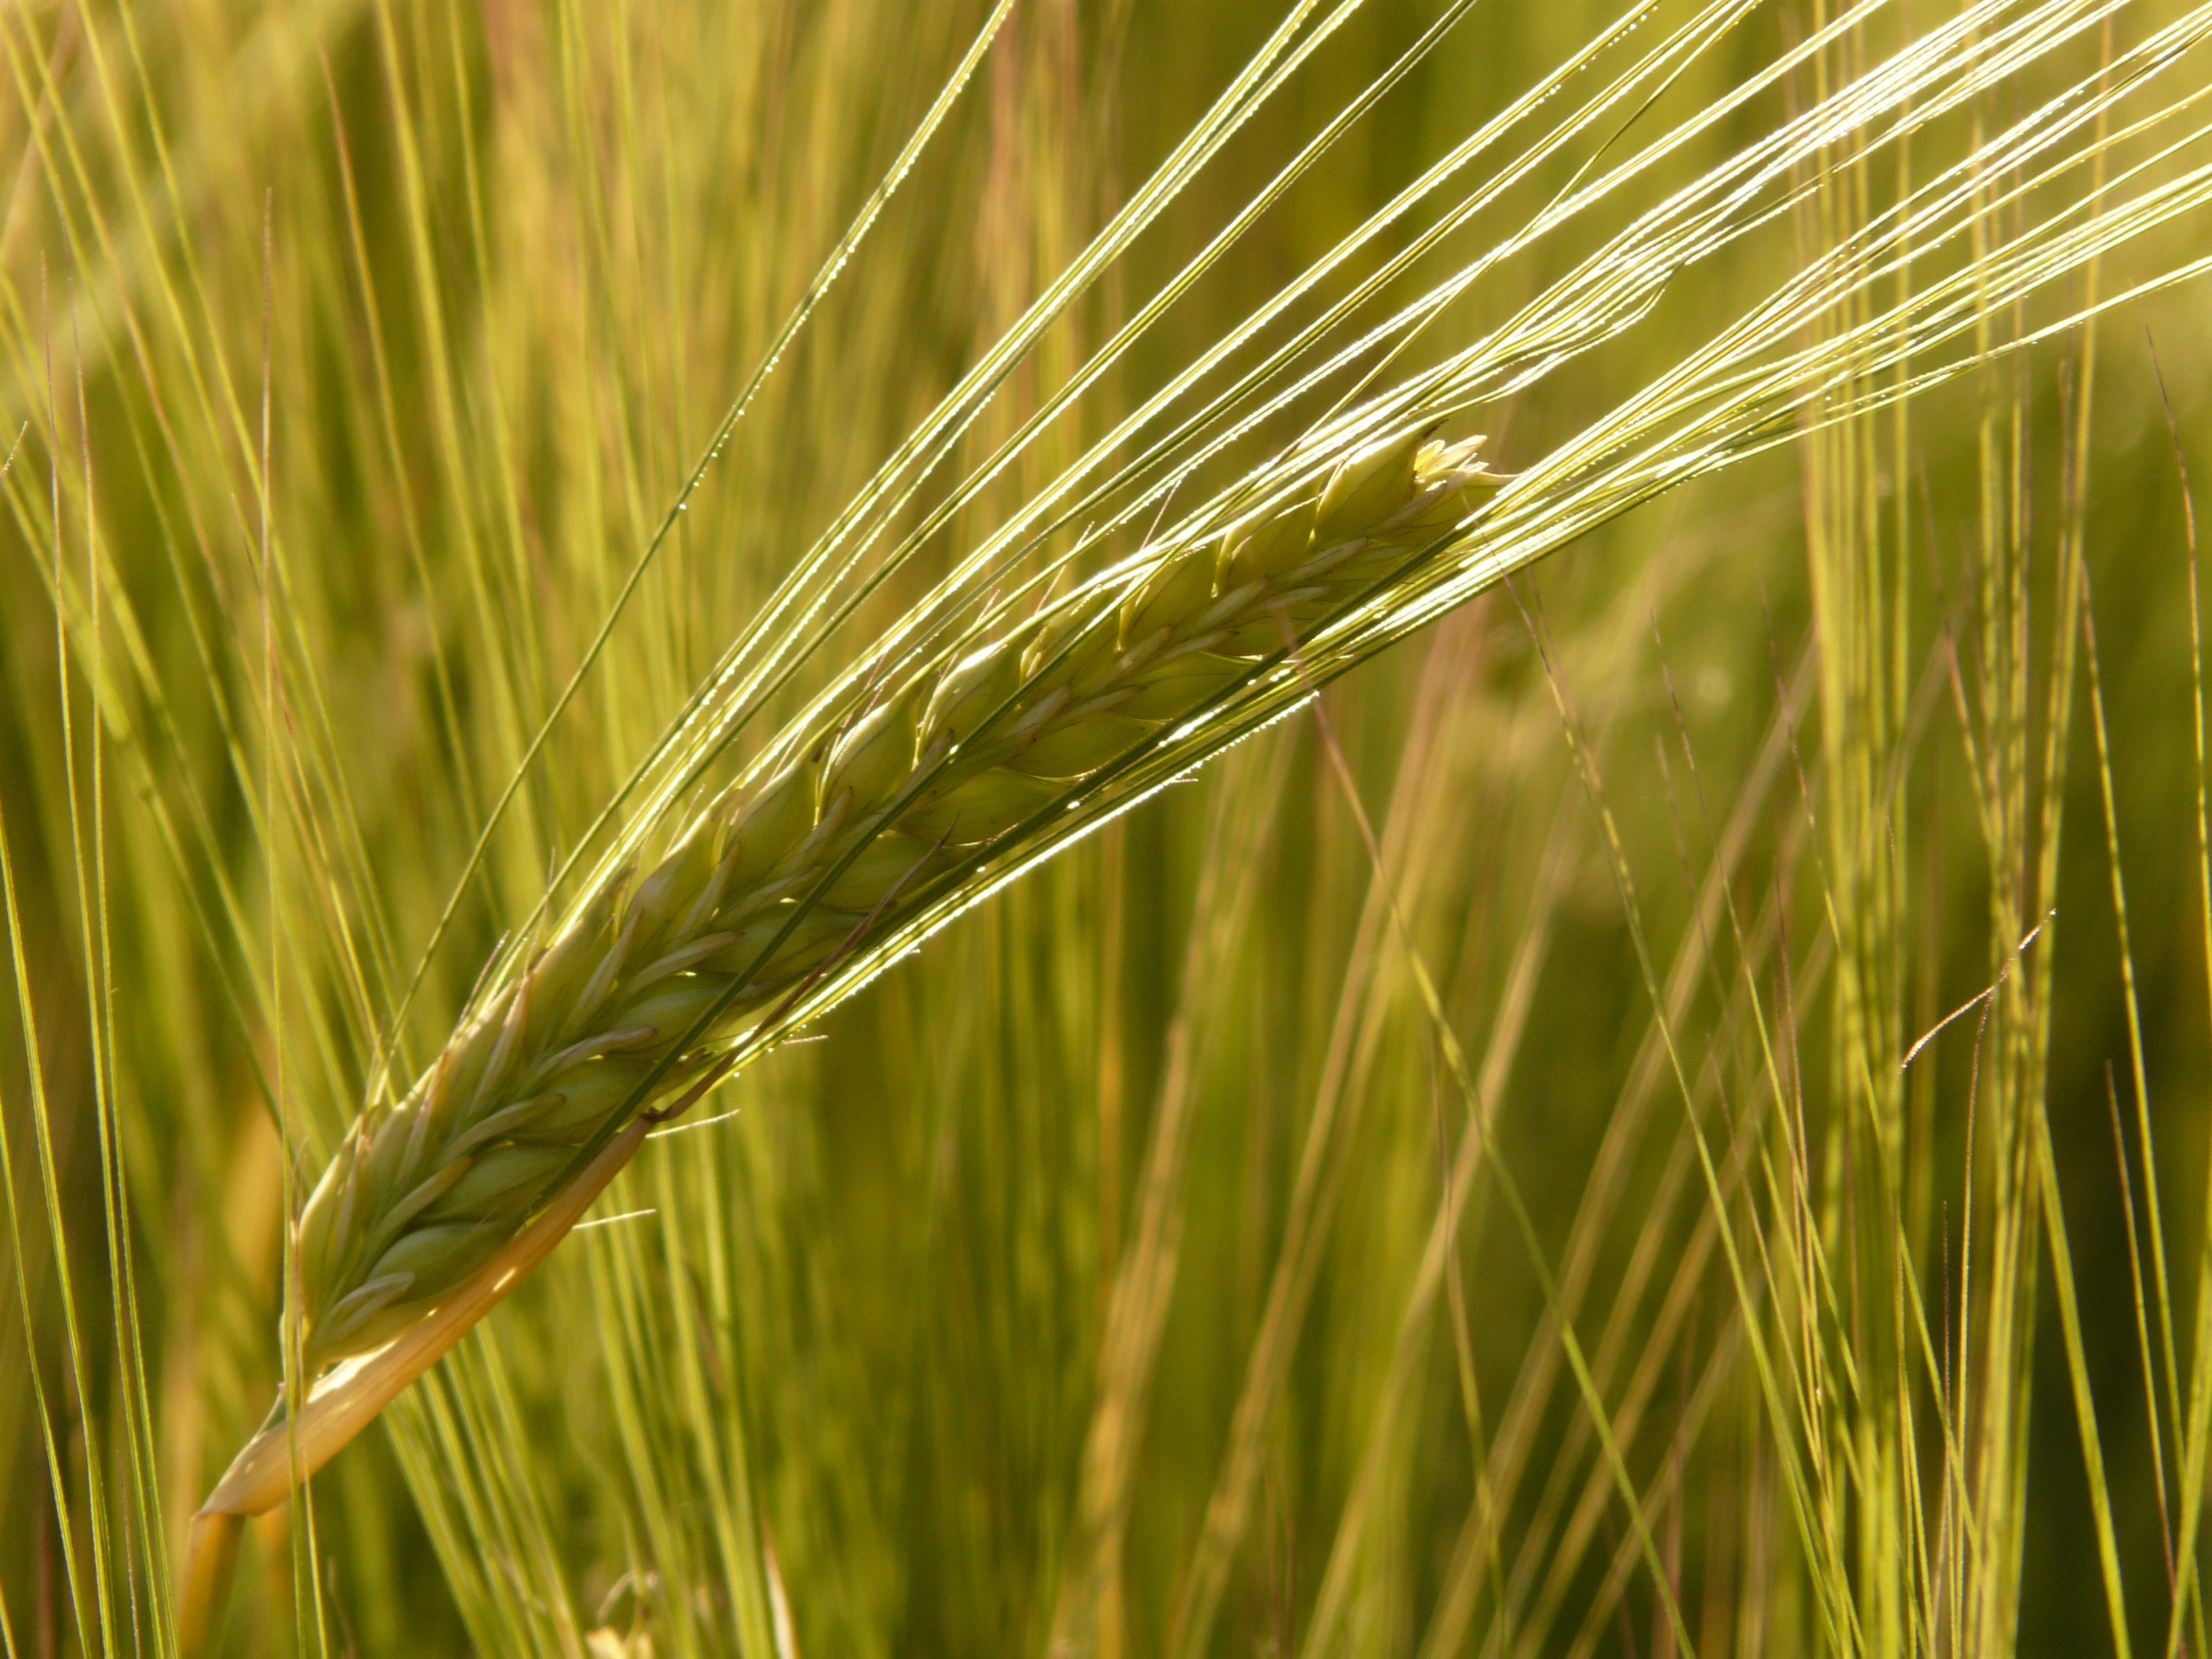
(628, 1005)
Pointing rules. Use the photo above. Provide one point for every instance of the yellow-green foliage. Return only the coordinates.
(1646, 1100)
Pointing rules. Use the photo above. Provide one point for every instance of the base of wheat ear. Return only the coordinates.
(633, 1003)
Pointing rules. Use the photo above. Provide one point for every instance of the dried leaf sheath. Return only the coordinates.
(607, 1022)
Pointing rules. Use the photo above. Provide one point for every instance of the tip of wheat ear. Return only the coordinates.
(425, 1204)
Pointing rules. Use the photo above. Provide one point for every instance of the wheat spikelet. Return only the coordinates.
(625, 1009)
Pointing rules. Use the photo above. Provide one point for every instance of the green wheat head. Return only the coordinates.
(639, 995)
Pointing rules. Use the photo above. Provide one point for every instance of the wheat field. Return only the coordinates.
(799, 860)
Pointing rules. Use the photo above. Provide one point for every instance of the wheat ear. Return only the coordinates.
(638, 997)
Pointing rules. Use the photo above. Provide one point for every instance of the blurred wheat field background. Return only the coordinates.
(1661, 1114)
